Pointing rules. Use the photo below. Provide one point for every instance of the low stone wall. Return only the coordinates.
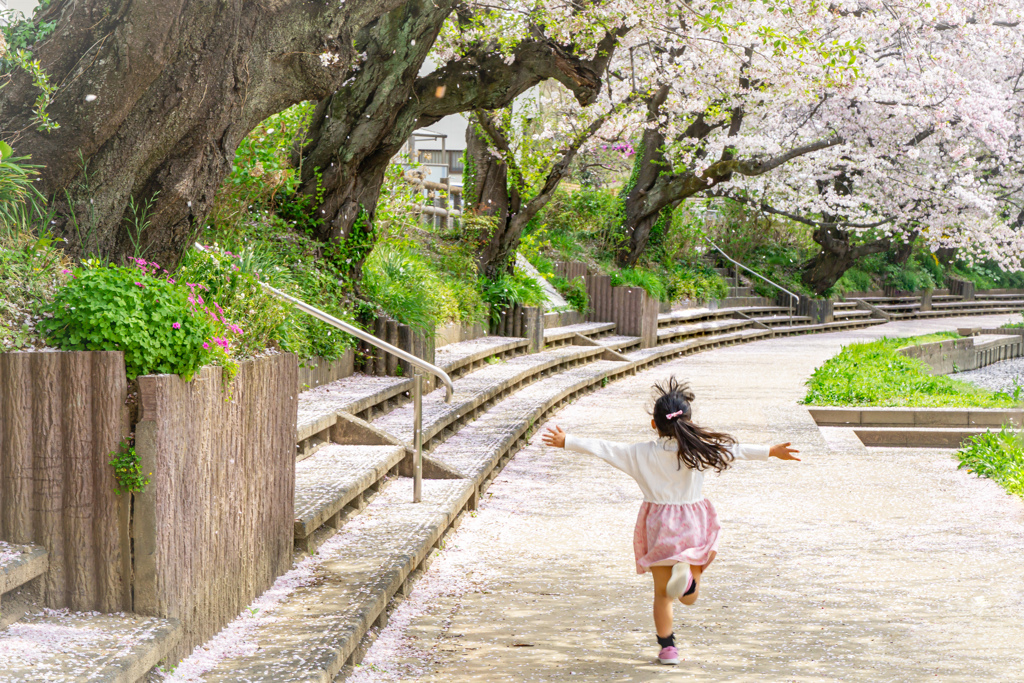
(62, 417)
(214, 527)
(958, 355)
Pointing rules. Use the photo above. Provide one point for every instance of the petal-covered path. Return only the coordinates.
(853, 565)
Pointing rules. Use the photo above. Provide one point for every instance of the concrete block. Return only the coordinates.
(940, 417)
(886, 416)
(830, 417)
(995, 418)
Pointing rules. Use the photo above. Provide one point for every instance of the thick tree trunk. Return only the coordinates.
(837, 256)
(487, 193)
(155, 96)
(360, 129)
(648, 166)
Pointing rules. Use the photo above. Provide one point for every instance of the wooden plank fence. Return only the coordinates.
(62, 417)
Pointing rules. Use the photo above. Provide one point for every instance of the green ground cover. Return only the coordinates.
(874, 374)
(998, 456)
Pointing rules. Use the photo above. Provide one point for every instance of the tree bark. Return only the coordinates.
(155, 96)
(837, 256)
(359, 130)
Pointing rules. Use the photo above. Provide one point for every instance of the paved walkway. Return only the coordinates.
(853, 565)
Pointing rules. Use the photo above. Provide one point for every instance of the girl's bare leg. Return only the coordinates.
(662, 602)
(697, 572)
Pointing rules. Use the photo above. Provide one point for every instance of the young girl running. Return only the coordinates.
(676, 535)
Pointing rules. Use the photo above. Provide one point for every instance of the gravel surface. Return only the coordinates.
(1003, 376)
(853, 565)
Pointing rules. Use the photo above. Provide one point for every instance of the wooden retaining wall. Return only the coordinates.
(214, 528)
(630, 308)
(62, 417)
(316, 371)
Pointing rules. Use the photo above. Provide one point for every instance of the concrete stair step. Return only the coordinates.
(464, 357)
(851, 313)
(646, 357)
(59, 646)
(557, 336)
(700, 329)
(778, 320)
(329, 602)
(737, 292)
(474, 393)
(482, 447)
(19, 565)
(690, 315)
(619, 342)
(334, 483)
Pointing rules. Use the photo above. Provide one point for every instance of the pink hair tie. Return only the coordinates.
(672, 416)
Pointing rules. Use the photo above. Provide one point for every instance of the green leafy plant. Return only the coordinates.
(998, 456)
(128, 470)
(574, 292)
(161, 326)
(506, 291)
(874, 374)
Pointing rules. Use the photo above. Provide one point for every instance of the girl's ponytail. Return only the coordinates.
(699, 448)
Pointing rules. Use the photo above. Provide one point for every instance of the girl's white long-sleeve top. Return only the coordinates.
(655, 466)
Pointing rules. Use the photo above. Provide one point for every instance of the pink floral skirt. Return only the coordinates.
(668, 533)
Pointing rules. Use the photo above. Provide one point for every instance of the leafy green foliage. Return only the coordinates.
(161, 326)
(695, 283)
(643, 278)
(998, 456)
(128, 470)
(574, 292)
(20, 34)
(506, 291)
(32, 270)
(874, 374)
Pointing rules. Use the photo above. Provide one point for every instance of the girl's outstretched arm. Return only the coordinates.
(619, 455)
(782, 451)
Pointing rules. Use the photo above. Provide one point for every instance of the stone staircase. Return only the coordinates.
(60, 646)
(360, 541)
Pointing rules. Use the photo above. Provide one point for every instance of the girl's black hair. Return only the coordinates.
(699, 448)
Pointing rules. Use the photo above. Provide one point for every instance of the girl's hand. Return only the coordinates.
(782, 451)
(554, 436)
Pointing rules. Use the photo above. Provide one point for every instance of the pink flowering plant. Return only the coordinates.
(161, 325)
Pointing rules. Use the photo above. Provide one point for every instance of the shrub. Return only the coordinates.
(574, 292)
(689, 283)
(641, 277)
(874, 374)
(505, 291)
(161, 326)
(998, 456)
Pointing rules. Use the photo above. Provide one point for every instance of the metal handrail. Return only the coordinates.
(417, 428)
(753, 272)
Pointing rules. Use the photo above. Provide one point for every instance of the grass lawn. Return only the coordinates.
(873, 374)
(998, 456)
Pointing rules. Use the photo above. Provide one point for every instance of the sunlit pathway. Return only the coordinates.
(888, 565)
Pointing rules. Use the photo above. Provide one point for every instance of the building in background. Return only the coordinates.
(23, 6)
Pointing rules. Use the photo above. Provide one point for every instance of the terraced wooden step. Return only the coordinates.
(74, 647)
(462, 358)
(334, 483)
(313, 631)
(833, 326)
(481, 448)
(691, 315)
(700, 329)
(778, 320)
(476, 392)
(560, 336)
(19, 564)
(851, 313)
(361, 395)
(646, 357)
(980, 304)
(619, 342)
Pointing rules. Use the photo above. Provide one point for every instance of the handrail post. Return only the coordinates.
(417, 437)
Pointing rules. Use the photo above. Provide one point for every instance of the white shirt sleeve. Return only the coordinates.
(619, 455)
(743, 451)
